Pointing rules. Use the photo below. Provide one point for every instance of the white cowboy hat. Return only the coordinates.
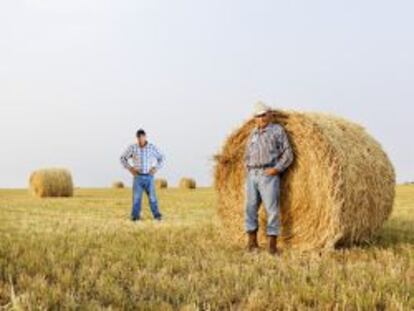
(261, 108)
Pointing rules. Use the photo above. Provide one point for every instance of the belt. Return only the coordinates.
(258, 167)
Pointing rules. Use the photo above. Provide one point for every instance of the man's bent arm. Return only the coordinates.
(160, 158)
(125, 157)
(247, 151)
(286, 159)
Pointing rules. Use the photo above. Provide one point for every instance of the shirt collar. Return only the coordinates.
(146, 145)
(256, 130)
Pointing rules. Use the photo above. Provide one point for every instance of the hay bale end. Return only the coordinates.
(187, 183)
(118, 185)
(161, 183)
(52, 182)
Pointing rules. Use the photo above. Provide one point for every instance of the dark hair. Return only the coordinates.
(140, 133)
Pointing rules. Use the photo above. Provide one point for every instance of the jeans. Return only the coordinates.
(261, 188)
(144, 183)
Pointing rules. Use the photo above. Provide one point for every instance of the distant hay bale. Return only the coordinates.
(161, 183)
(118, 185)
(51, 183)
(339, 190)
(188, 183)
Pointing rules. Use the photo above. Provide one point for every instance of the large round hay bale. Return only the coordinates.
(118, 185)
(188, 183)
(339, 190)
(51, 183)
(161, 183)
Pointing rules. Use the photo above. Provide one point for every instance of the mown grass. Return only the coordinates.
(83, 253)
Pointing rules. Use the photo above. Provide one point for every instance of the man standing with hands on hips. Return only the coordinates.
(146, 161)
(268, 153)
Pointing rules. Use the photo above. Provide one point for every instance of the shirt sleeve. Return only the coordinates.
(126, 155)
(159, 156)
(286, 156)
(248, 151)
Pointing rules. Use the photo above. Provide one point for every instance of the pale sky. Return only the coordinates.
(78, 77)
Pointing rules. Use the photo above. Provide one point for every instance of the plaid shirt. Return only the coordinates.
(269, 147)
(143, 158)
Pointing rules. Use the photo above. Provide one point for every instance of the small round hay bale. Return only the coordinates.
(339, 190)
(188, 183)
(161, 183)
(118, 185)
(52, 182)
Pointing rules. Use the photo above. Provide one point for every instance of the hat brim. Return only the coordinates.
(261, 112)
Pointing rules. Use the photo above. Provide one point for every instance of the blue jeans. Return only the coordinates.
(144, 183)
(261, 188)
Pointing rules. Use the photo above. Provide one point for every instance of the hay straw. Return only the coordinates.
(187, 183)
(118, 185)
(52, 182)
(339, 190)
(161, 183)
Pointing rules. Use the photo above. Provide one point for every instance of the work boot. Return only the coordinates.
(273, 250)
(252, 241)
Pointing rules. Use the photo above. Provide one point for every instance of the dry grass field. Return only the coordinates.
(83, 253)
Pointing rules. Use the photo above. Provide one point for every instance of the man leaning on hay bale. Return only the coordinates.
(268, 153)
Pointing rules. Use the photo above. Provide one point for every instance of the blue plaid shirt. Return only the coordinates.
(143, 158)
(269, 146)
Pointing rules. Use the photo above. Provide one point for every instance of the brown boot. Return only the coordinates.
(273, 250)
(252, 241)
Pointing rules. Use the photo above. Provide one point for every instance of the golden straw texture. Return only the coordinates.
(161, 183)
(118, 185)
(188, 183)
(339, 190)
(51, 183)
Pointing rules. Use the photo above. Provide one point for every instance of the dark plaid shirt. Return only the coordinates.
(269, 147)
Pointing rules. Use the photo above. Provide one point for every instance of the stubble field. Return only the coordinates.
(84, 253)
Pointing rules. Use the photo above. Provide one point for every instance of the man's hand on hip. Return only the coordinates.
(134, 171)
(152, 171)
(271, 171)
